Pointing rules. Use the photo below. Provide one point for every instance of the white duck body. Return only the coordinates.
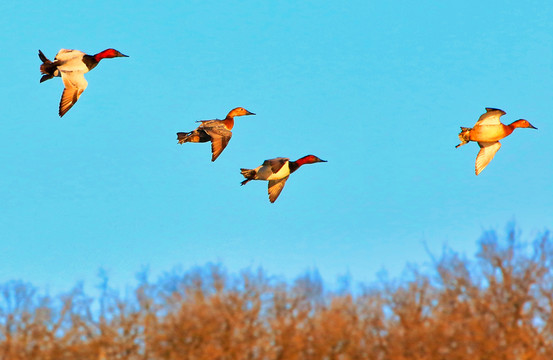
(72, 69)
(71, 60)
(265, 171)
(277, 172)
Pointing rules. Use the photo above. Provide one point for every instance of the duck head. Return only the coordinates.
(239, 111)
(521, 123)
(109, 53)
(309, 159)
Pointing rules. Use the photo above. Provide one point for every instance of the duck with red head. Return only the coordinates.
(277, 171)
(71, 65)
(487, 132)
(92, 61)
(217, 131)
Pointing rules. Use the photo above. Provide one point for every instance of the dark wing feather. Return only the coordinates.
(68, 99)
(276, 164)
(218, 144)
(220, 137)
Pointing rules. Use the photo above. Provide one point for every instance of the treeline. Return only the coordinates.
(497, 306)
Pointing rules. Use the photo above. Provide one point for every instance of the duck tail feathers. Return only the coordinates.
(47, 68)
(249, 174)
(46, 77)
(43, 57)
(464, 136)
(182, 137)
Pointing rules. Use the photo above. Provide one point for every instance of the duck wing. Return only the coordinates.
(68, 54)
(486, 154)
(220, 137)
(491, 117)
(218, 144)
(276, 164)
(275, 188)
(75, 84)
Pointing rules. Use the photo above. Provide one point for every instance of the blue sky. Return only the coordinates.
(379, 89)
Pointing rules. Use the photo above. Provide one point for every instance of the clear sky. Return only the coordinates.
(379, 89)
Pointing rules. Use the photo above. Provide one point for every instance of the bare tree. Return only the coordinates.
(496, 306)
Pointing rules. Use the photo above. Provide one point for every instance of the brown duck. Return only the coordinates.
(217, 131)
(487, 132)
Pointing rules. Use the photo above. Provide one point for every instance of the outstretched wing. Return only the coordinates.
(65, 55)
(491, 117)
(275, 188)
(75, 84)
(486, 154)
(218, 144)
(220, 137)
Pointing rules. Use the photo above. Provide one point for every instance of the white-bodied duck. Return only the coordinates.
(276, 171)
(71, 65)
